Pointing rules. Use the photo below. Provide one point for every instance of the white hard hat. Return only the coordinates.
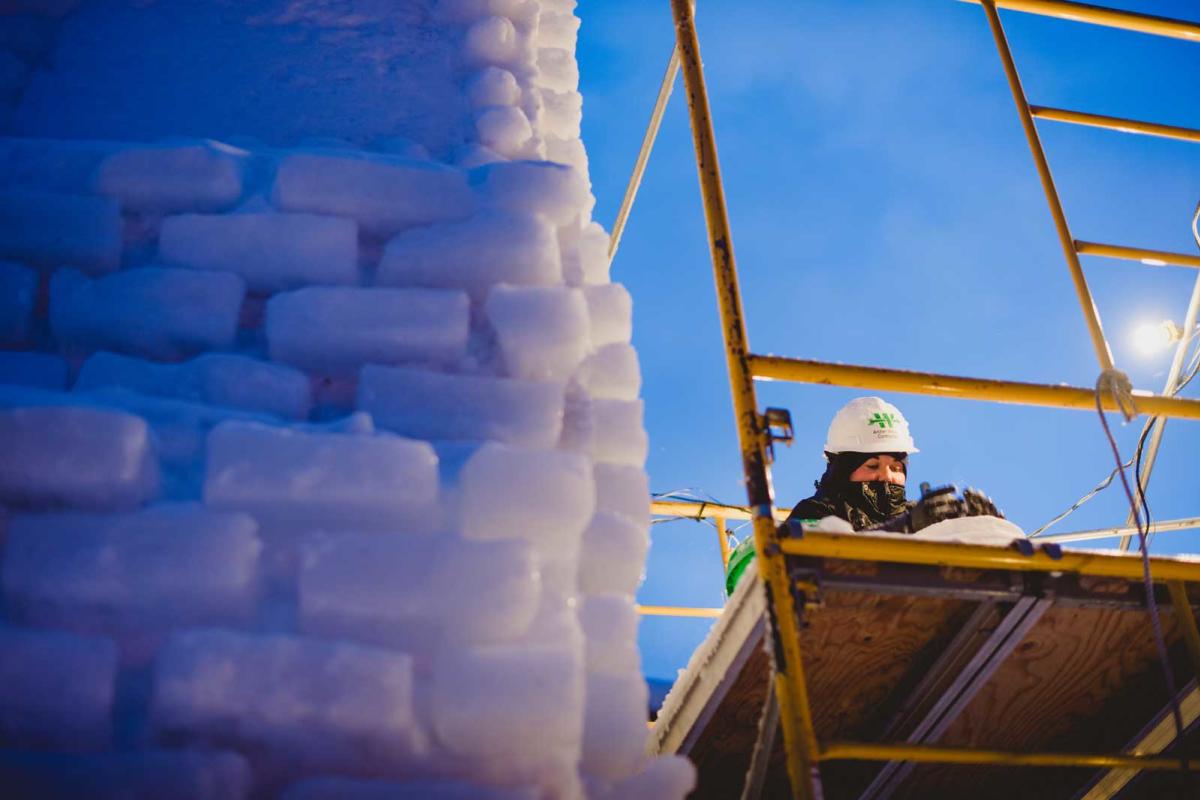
(869, 425)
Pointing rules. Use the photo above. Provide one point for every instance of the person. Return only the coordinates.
(864, 483)
(866, 474)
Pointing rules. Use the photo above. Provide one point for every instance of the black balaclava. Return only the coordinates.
(876, 500)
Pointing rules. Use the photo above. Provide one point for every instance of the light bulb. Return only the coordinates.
(1151, 337)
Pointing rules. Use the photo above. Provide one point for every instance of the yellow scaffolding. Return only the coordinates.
(804, 752)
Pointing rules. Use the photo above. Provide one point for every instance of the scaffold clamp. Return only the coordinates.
(777, 427)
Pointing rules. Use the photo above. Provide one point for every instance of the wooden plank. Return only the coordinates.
(1158, 735)
(1084, 679)
(713, 668)
(1074, 664)
(859, 648)
(948, 700)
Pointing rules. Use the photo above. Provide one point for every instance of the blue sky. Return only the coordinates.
(885, 211)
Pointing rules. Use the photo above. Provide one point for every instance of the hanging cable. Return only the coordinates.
(1147, 582)
(1099, 487)
(705, 499)
(1137, 470)
(1189, 374)
(1176, 383)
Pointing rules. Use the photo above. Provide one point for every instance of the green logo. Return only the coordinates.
(882, 420)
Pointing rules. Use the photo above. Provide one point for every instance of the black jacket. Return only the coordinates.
(819, 506)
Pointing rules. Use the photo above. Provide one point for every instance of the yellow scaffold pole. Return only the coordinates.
(790, 686)
(1090, 313)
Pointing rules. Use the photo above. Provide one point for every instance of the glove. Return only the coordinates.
(937, 506)
(934, 506)
(980, 505)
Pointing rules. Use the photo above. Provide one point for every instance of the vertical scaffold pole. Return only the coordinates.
(790, 686)
(723, 541)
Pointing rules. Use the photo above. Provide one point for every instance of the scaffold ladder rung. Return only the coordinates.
(798, 370)
(1104, 17)
(1120, 124)
(1151, 258)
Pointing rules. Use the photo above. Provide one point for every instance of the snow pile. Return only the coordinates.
(323, 470)
(994, 531)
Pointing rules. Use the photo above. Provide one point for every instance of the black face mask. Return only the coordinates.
(879, 500)
(876, 500)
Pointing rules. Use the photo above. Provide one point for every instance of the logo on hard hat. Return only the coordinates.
(882, 420)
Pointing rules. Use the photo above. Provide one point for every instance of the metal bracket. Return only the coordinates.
(806, 586)
(1054, 551)
(776, 427)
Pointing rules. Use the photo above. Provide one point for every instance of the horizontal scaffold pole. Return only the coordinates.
(698, 510)
(1158, 258)
(929, 754)
(1121, 124)
(906, 550)
(798, 370)
(1108, 17)
(1188, 523)
(679, 611)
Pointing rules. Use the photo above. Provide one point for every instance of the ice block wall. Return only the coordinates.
(321, 453)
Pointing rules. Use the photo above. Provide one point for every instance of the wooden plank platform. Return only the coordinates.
(937, 655)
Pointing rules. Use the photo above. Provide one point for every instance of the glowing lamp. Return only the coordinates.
(1151, 337)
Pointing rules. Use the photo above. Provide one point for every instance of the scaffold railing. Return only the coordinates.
(804, 752)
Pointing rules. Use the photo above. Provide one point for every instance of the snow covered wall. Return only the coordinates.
(321, 453)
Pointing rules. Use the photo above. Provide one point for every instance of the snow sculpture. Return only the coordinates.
(322, 471)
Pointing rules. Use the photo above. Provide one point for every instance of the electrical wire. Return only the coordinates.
(1160, 643)
(1187, 375)
(1190, 372)
(1137, 468)
(1099, 487)
(693, 495)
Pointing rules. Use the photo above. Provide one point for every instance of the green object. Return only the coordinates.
(739, 559)
(744, 553)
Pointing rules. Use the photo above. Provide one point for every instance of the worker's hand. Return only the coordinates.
(937, 506)
(980, 505)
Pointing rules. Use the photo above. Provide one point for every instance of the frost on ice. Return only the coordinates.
(392, 590)
(18, 293)
(39, 370)
(491, 247)
(305, 704)
(322, 466)
(517, 412)
(314, 480)
(384, 195)
(119, 573)
(542, 332)
(56, 689)
(543, 496)
(157, 312)
(183, 178)
(146, 775)
(339, 329)
(219, 379)
(271, 250)
(56, 229)
(75, 457)
(527, 692)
